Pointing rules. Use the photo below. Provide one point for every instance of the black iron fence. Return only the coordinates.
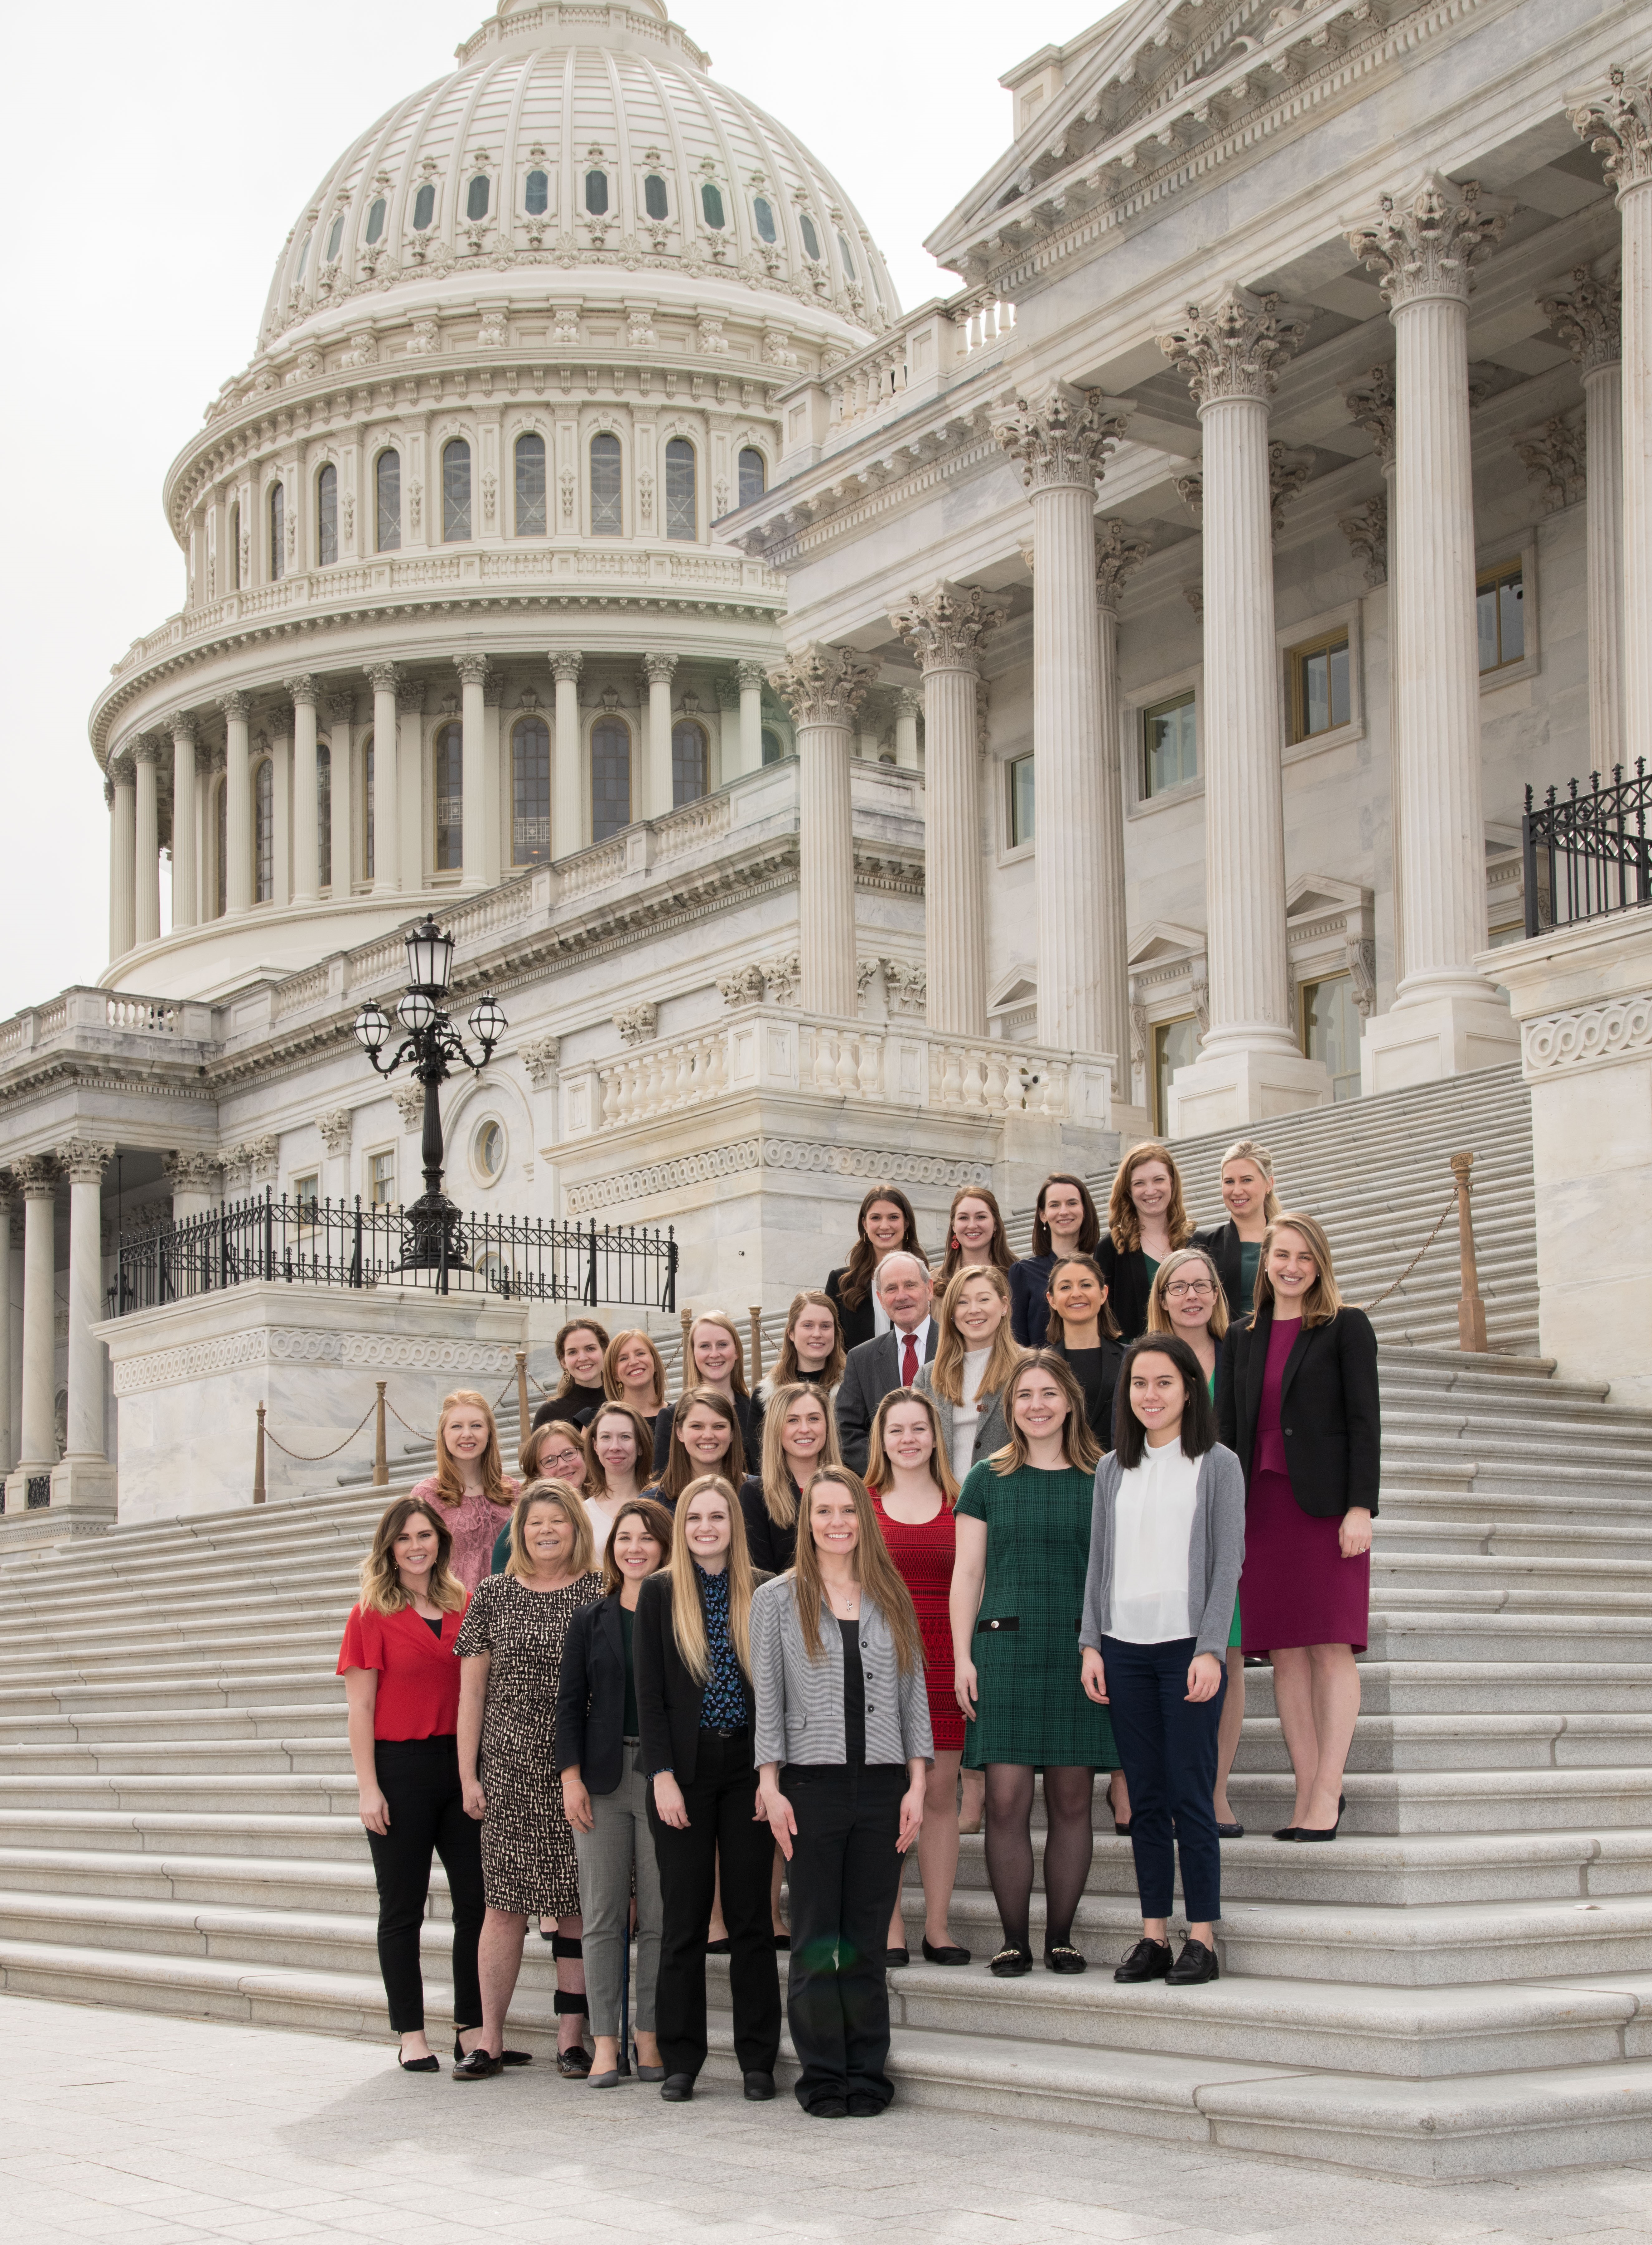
(1587, 851)
(342, 1243)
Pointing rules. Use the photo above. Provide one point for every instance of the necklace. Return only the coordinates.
(848, 1601)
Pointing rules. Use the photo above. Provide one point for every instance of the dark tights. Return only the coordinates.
(1069, 1843)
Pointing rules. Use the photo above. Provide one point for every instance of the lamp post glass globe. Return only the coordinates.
(488, 1023)
(430, 957)
(372, 1028)
(417, 1010)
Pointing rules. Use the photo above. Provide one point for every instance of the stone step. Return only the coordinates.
(138, 1729)
(262, 1686)
(1458, 1742)
(334, 1838)
(1415, 1524)
(1447, 1802)
(1467, 1635)
(1480, 1687)
(326, 1755)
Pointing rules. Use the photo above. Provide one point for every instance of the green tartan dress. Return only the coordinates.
(1030, 1705)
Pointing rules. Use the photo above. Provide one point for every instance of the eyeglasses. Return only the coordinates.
(560, 1460)
(1189, 1286)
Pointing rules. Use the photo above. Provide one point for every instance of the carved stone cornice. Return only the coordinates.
(83, 1161)
(302, 690)
(1233, 348)
(944, 629)
(1063, 440)
(1589, 321)
(823, 685)
(1425, 241)
(1367, 535)
(1118, 551)
(1371, 406)
(1618, 126)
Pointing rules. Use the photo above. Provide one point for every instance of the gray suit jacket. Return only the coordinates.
(1216, 1551)
(800, 1701)
(870, 1371)
(991, 1429)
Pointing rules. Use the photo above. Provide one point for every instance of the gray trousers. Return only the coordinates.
(618, 1839)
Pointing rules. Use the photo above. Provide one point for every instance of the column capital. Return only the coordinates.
(1234, 347)
(751, 675)
(1618, 126)
(566, 663)
(1371, 406)
(1063, 437)
(1424, 242)
(1589, 321)
(35, 1176)
(909, 702)
(728, 691)
(1287, 471)
(1552, 456)
(340, 705)
(472, 669)
(237, 706)
(83, 1161)
(302, 688)
(181, 725)
(658, 669)
(147, 750)
(1118, 551)
(822, 685)
(383, 677)
(1366, 531)
(336, 1127)
(120, 767)
(193, 1172)
(493, 691)
(944, 628)
(409, 695)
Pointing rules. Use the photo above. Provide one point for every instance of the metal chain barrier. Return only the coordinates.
(1450, 1209)
(304, 1457)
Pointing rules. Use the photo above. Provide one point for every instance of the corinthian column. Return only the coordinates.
(473, 678)
(657, 790)
(945, 631)
(1061, 443)
(238, 804)
(1589, 322)
(823, 687)
(86, 1472)
(307, 829)
(36, 1173)
(123, 842)
(750, 677)
(1619, 128)
(385, 799)
(1250, 1065)
(1118, 551)
(1446, 1018)
(567, 789)
(147, 851)
(185, 871)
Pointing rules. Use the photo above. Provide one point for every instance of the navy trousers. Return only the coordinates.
(1168, 1745)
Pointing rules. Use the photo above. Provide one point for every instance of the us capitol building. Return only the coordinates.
(852, 743)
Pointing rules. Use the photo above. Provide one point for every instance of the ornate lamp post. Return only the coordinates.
(431, 1045)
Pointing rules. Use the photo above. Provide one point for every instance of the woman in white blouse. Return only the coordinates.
(1166, 1543)
(975, 1355)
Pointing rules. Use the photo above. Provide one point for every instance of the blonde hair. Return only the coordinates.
(529, 1459)
(687, 1613)
(1078, 1445)
(691, 1370)
(1247, 1149)
(569, 1503)
(596, 1472)
(780, 1500)
(1323, 1298)
(946, 1372)
(655, 1519)
(878, 1465)
(610, 1368)
(1159, 1316)
(680, 1468)
(879, 1577)
(1123, 1222)
(450, 1482)
(381, 1589)
(786, 1370)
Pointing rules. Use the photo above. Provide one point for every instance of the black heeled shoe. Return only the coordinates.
(506, 2057)
(1308, 1832)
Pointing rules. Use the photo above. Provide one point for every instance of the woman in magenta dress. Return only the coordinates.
(1297, 1402)
(913, 1492)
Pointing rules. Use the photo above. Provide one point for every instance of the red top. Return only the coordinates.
(418, 1676)
(924, 1559)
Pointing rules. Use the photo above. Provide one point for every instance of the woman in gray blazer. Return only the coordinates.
(975, 1357)
(843, 1746)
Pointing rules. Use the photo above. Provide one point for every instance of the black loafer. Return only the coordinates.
(1010, 1963)
(1193, 1967)
(783, 1943)
(677, 2088)
(1231, 1831)
(759, 2087)
(1062, 1956)
(574, 2063)
(950, 1955)
(1148, 1960)
(478, 2065)
(895, 1958)
(506, 2057)
(719, 1947)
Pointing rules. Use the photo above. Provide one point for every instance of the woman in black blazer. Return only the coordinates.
(604, 1794)
(887, 1221)
(1252, 1205)
(1148, 1219)
(1297, 1402)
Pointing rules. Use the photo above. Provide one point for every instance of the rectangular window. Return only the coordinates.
(380, 1179)
(324, 814)
(307, 1194)
(1330, 1027)
(1320, 697)
(1500, 599)
(367, 811)
(1176, 1044)
(1169, 744)
(450, 799)
(1021, 800)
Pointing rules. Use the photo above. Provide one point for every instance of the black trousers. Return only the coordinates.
(419, 1779)
(722, 1800)
(844, 1870)
(1168, 1745)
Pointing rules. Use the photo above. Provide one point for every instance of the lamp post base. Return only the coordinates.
(430, 1236)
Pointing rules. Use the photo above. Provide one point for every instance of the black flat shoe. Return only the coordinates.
(759, 2086)
(1193, 1967)
(949, 1954)
(478, 2065)
(1232, 1832)
(574, 2063)
(783, 1943)
(719, 1947)
(1010, 1963)
(419, 2064)
(506, 2057)
(864, 2107)
(1123, 1830)
(677, 2088)
(1148, 1960)
(1062, 1956)
(895, 1958)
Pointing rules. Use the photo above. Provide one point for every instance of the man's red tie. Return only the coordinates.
(909, 1360)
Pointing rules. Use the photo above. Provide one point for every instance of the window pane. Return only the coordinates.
(326, 516)
(324, 814)
(380, 1179)
(1511, 618)
(530, 487)
(277, 530)
(842, 251)
(367, 809)
(752, 475)
(1330, 1027)
(711, 202)
(387, 476)
(774, 747)
(1340, 704)
(376, 221)
(811, 239)
(1171, 745)
(303, 257)
(1486, 611)
(688, 763)
(456, 489)
(762, 211)
(1176, 1044)
(596, 192)
(531, 792)
(476, 200)
(1021, 801)
(606, 521)
(681, 519)
(264, 832)
(450, 799)
(335, 235)
(610, 778)
(1316, 693)
(424, 206)
(537, 195)
(653, 197)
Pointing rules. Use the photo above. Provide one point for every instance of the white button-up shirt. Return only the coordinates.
(1153, 1528)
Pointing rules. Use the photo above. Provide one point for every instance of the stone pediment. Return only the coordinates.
(1311, 895)
(1164, 941)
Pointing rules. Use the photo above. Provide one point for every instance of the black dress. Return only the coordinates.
(748, 1410)
(1129, 1277)
(1096, 1370)
(856, 1325)
(577, 1407)
(772, 1547)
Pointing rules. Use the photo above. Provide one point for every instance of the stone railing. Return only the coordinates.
(96, 1016)
(933, 346)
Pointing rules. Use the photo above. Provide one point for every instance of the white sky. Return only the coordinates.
(159, 154)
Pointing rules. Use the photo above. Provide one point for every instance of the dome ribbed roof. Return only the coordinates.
(577, 137)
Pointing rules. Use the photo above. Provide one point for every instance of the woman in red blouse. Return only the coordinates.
(912, 1491)
(402, 1687)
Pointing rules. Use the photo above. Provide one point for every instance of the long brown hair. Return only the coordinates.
(688, 1613)
(1123, 1222)
(1089, 1230)
(1077, 1443)
(529, 1461)
(450, 1482)
(859, 1271)
(611, 1386)
(1106, 1322)
(1158, 1315)
(596, 1472)
(381, 1589)
(1323, 1298)
(655, 1519)
(691, 1370)
(780, 1497)
(569, 1502)
(946, 1372)
(997, 1254)
(879, 1577)
(786, 1366)
(679, 1468)
(879, 1466)
(574, 1325)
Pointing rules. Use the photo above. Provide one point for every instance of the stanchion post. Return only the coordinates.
(522, 1394)
(1471, 1309)
(258, 1460)
(756, 1314)
(687, 1380)
(381, 1454)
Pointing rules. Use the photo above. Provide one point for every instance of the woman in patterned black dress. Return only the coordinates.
(511, 1644)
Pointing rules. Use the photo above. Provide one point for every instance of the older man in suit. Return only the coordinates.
(871, 1371)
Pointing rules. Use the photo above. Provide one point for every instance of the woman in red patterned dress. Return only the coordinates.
(912, 1491)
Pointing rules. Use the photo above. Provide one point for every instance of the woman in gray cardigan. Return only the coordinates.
(843, 1746)
(975, 1357)
(1167, 1543)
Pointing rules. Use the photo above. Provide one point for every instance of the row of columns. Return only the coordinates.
(83, 1471)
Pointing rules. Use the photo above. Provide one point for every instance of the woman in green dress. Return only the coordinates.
(1023, 1527)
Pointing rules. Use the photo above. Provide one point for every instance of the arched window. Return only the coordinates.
(610, 778)
(222, 822)
(849, 263)
(386, 485)
(264, 831)
(476, 199)
(423, 206)
(376, 221)
(530, 792)
(278, 530)
(536, 194)
(303, 257)
(327, 515)
(530, 487)
(774, 747)
(711, 202)
(682, 514)
(335, 235)
(762, 211)
(753, 474)
(811, 239)
(367, 808)
(324, 814)
(236, 548)
(450, 799)
(456, 489)
(654, 200)
(597, 193)
(606, 513)
(689, 761)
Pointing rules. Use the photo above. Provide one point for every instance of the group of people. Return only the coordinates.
(984, 1531)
